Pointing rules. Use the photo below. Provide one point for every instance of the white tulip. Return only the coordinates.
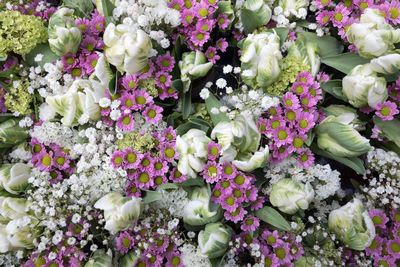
(14, 177)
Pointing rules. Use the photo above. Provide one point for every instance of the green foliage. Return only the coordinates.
(82, 8)
(273, 217)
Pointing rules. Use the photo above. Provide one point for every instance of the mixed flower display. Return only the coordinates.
(215, 133)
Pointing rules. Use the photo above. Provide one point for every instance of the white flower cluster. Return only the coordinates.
(54, 132)
(283, 17)
(145, 14)
(383, 172)
(325, 181)
(174, 201)
(11, 259)
(192, 256)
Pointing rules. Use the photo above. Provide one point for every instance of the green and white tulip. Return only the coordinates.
(129, 259)
(64, 36)
(337, 136)
(20, 232)
(254, 14)
(11, 134)
(338, 110)
(214, 239)
(82, 98)
(193, 65)
(387, 64)
(293, 5)
(127, 48)
(120, 212)
(100, 259)
(5, 245)
(249, 162)
(12, 208)
(290, 196)
(197, 211)
(352, 225)
(373, 36)
(99, 5)
(363, 88)
(261, 59)
(192, 148)
(308, 53)
(14, 177)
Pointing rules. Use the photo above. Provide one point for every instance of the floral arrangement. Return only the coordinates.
(209, 133)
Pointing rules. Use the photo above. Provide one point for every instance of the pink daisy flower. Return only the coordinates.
(132, 190)
(202, 10)
(146, 163)
(174, 260)
(271, 238)
(125, 242)
(213, 150)
(378, 134)
(131, 158)
(394, 12)
(251, 223)
(307, 100)
(305, 121)
(297, 143)
(223, 21)
(324, 17)
(376, 246)
(363, 4)
(147, 71)
(275, 122)
(153, 114)
(69, 62)
(394, 92)
(44, 161)
(61, 160)
(205, 26)
(393, 247)
(130, 82)
(387, 110)
(212, 172)
(82, 24)
(262, 125)
(199, 38)
(163, 79)
(212, 55)
(258, 204)
(169, 134)
(127, 101)
(300, 87)
(91, 62)
(160, 166)
(282, 136)
(290, 101)
(221, 44)
(229, 203)
(306, 159)
(88, 44)
(165, 62)
(187, 17)
(159, 180)
(279, 153)
(378, 218)
(97, 24)
(177, 176)
(142, 98)
(176, 4)
(322, 77)
(117, 159)
(144, 179)
(271, 260)
(236, 215)
(126, 122)
(388, 260)
(296, 250)
(323, 3)
(168, 152)
(281, 251)
(340, 15)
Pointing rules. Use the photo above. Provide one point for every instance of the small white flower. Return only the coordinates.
(215, 110)
(209, 84)
(229, 90)
(204, 93)
(38, 57)
(236, 70)
(104, 102)
(227, 69)
(221, 83)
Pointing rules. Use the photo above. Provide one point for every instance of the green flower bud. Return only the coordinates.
(192, 148)
(128, 48)
(14, 177)
(290, 196)
(388, 64)
(352, 225)
(197, 211)
(308, 53)
(363, 88)
(214, 239)
(337, 136)
(338, 110)
(260, 59)
(255, 13)
(100, 259)
(249, 162)
(373, 36)
(11, 134)
(193, 65)
(120, 212)
(64, 36)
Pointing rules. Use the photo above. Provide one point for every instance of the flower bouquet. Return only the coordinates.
(215, 133)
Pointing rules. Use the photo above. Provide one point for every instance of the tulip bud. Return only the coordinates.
(11, 134)
(373, 36)
(127, 48)
(352, 225)
(388, 64)
(308, 53)
(338, 110)
(192, 148)
(249, 162)
(363, 88)
(12, 208)
(214, 239)
(120, 212)
(255, 13)
(20, 233)
(289, 195)
(197, 211)
(293, 5)
(100, 259)
(193, 65)
(260, 59)
(14, 177)
(337, 136)
(64, 36)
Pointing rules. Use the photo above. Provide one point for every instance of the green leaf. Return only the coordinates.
(344, 62)
(334, 87)
(354, 163)
(177, 85)
(152, 196)
(310, 138)
(5, 116)
(7, 73)
(172, 117)
(216, 262)
(205, 126)
(168, 186)
(187, 104)
(184, 128)
(329, 46)
(113, 84)
(273, 217)
(82, 8)
(44, 49)
(389, 128)
(212, 102)
(108, 8)
(193, 182)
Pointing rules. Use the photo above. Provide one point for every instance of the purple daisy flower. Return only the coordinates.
(282, 135)
(117, 159)
(297, 143)
(130, 82)
(393, 248)
(379, 218)
(376, 246)
(82, 24)
(306, 158)
(88, 44)
(165, 62)
(177, 176)
(275, 122)
(126, 122)
(187, 17)
(384, 261)
(168, 152)
(290, 101)
(97, 23)
(340, 15)
(221, 44)
(296, 250)
(212, 55)
(223, 21)
(251, 223)
(386, 110)
(213, 150)
(144, 179)
(147, 71)
(174, 260)
(236, 215)
(61, 160)
(91, 62)
(142, 98)
(125, 242)
(153, 114)
(307, 100)
(305, 121)
(271, 238)
(229, 203)
(131, 158)
(300, 87)
(69, 62)
(132, 190)
(212, 172)
(199, 38)
(279, 153)
(205, 26)
(44, 160)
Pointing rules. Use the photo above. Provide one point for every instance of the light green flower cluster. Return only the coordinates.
(292, 66)
(149, 85)
(136, 141)
(201, 111)
(18, 99)
(20, 33)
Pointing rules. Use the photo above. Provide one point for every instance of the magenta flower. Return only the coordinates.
(132, 190)
(378, 134)
(271, 238)
(221, 44)
(305, 159)
(163, 79)
(176, 4)
(394, 92)
(125, 242)
(395, 215)
(236, 215)
(322, 77)
(229, 171)
(223, 21)
(177, 176)
(91, 62)
(323, 3)
(146, 163)
(44, 160)
(69, 62)
(82, 24)
(169, 134)
(131, 158)
(281, 251)
(160, 167)
(307, 100)
(393, 248)
(279, 153)
(275, 122)
(187, 17)
(130, 82)
(212, 172)
(147, 71)
(126, 122)
(301, 87)
(88, 44)
(117, 159)
(290, 101)
(379, 218)
(202, 10)
(142, 98)
(271, 260)
(283, 135)
(376, 246)
(205, 26)
(296, 250)
(394, 11)
(174, 259)
(387, 110)
(144, 179)
(61, 160)
(305, 121)
(165, 62)
(297, 143)
(153, 114)
(97, 24)
(212, 55)
(388, 260)
(37, 147)
(340, 15)
(213, 150)
(258, 204)
(251, 223)
(127, 101)
(168, 152)
(363, 4)
(199, 38)
(324, 17)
